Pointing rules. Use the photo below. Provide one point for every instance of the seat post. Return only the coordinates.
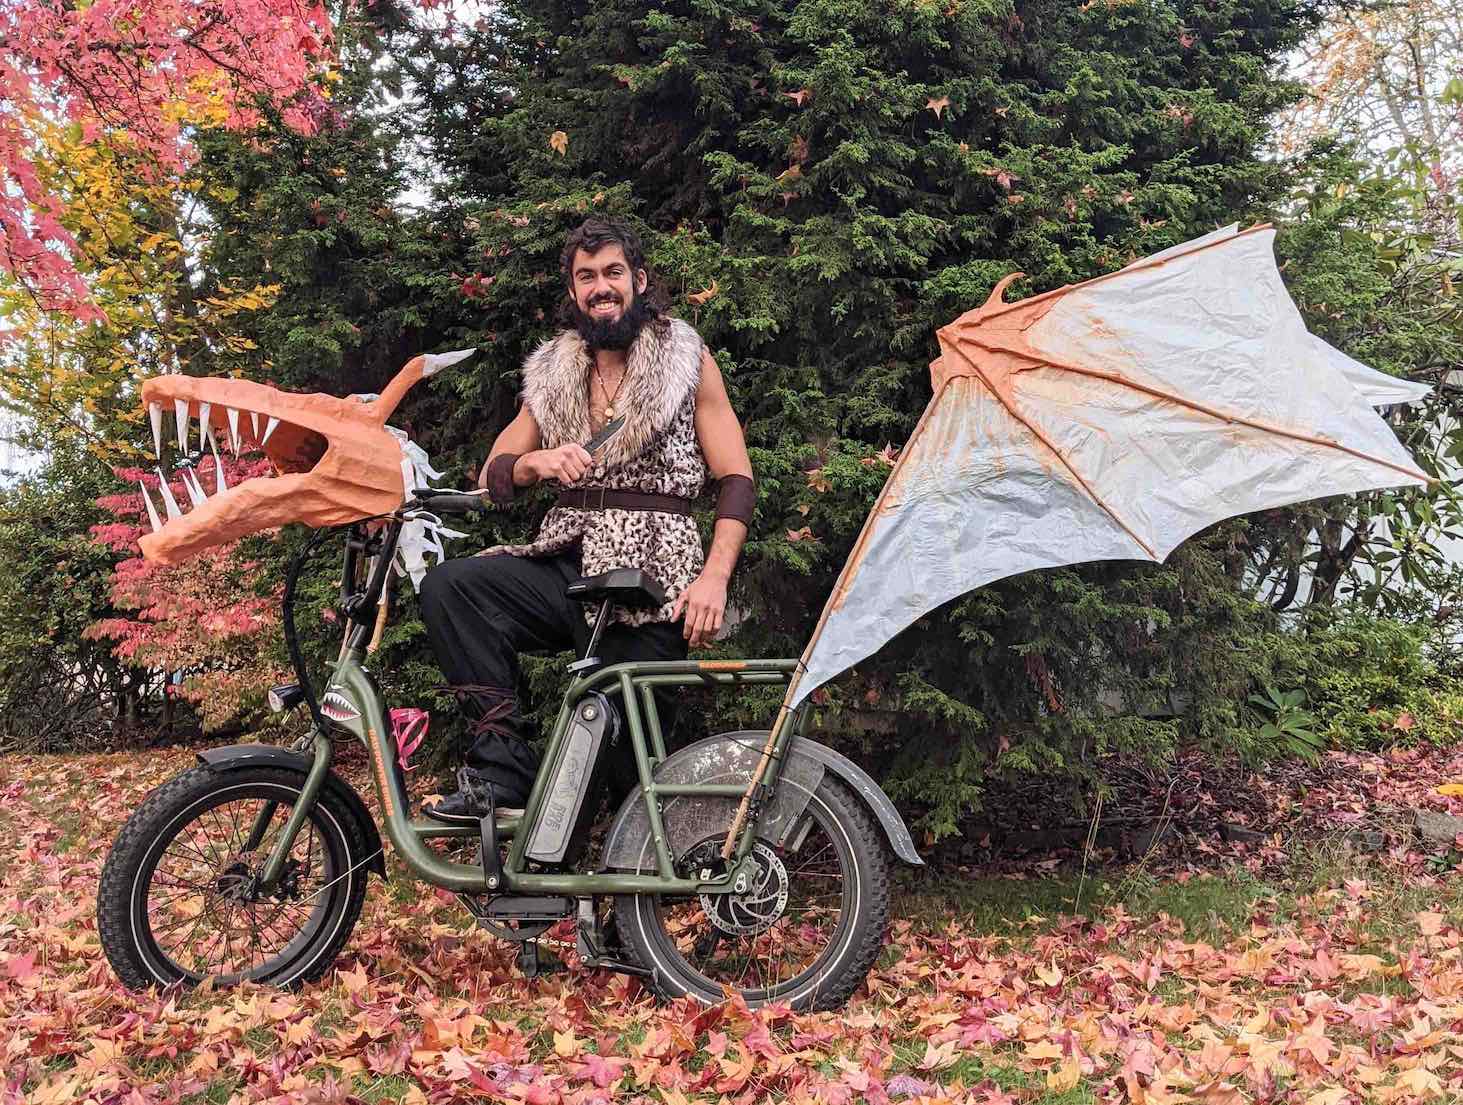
(599, 624)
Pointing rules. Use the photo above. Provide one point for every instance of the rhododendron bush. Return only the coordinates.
(213, 620)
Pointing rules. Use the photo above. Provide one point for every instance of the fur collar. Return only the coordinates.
(662, 370)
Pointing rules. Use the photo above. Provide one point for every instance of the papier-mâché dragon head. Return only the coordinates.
(334, 459)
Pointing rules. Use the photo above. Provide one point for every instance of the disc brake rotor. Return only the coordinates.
(756, 909)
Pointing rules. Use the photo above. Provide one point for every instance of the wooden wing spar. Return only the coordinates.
(1108, 420)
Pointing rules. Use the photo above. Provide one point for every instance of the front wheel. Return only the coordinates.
(180, 899)
(806, 930)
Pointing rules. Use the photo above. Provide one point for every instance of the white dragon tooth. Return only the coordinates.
(152, 517)
(218, 472)
(268, 429)
(254, 421)
(205, 431)
(180, 408)
(193, 487)
(233, 429)
(155, 413)
(168, 501)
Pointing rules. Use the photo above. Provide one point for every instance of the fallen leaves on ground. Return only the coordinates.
(1319, 1003)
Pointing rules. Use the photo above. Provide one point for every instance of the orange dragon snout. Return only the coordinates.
(334, 459)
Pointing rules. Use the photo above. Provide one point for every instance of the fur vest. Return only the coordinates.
(656, 451)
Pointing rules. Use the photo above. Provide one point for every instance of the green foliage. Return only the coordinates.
(1370, 682)
(58, 690)
(1289, 726)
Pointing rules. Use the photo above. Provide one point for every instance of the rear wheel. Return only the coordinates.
(805, 931)
(180, 898)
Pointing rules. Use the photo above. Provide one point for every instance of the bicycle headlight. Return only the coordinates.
(284, 697)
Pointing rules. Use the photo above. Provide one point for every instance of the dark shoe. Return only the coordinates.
(469, 803)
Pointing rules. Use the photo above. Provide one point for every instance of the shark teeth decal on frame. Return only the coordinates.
(152, 517)
(337, 707)
(155, 415)
(180, 410)
(233, 429)
(168, 501)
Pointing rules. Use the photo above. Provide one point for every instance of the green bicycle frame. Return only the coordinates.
(634, 684)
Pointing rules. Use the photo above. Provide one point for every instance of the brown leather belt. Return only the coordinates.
(605, 498)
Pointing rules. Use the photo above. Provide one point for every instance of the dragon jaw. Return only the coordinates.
(334, 460)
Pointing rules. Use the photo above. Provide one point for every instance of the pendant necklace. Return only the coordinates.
(604, 391)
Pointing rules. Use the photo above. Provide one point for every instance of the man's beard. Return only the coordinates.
(613, 333)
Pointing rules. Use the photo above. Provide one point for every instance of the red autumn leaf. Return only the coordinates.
(800, 96)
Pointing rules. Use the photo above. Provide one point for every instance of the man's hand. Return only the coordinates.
(704, 604)
(567, 463)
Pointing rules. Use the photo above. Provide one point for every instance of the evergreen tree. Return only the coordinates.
(826, 183)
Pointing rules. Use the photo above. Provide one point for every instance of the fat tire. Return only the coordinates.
(116, 925)
(836, 980)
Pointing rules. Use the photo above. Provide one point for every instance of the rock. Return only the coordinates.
(1368, 840)
(1150, 836)
(1438, 828)
(1238, 834)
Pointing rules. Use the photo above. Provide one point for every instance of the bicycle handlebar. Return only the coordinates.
(448, 502)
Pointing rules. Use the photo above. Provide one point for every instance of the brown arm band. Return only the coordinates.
(736, 497)
(501, 488)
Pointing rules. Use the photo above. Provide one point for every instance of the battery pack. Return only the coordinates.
(572, 780)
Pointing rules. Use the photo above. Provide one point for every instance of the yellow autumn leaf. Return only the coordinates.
(559, 142)
(1451, 790)
(1051, 976)
(567, 1045)
(1065, 1077)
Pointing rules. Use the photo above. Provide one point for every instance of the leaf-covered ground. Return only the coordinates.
(1320, 976)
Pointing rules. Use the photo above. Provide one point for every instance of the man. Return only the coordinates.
(627, 506)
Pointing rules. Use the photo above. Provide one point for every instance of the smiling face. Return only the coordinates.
(609, 307)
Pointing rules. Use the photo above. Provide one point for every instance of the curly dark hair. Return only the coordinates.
(592, 235)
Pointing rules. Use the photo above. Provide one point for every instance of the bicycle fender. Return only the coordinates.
(862, 784)
(235, 757)
(732, 757)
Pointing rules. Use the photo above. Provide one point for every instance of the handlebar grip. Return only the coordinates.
(450, 502)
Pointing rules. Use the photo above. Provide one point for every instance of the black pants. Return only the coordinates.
(481, 611)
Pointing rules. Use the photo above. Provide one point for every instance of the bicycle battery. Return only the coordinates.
(569, 802)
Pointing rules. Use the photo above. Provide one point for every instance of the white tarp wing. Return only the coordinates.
(1210, 399)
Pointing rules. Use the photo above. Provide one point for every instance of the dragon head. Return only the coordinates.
(335, 460)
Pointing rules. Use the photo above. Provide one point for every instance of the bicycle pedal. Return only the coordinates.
(533, 961)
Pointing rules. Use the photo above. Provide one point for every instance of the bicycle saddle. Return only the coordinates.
(622, 586)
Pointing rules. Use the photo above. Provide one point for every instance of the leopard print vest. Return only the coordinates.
(656, 451)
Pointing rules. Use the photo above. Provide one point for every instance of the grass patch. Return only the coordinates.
(220, 1091)
(391, 1087)
(1211, 907)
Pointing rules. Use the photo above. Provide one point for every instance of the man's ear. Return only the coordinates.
(642, 281)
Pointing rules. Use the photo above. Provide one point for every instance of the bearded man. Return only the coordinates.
(628, 506)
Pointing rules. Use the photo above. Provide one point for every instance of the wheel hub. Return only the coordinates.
(756, 908)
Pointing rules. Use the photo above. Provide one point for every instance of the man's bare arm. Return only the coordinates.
(725, 449)
(520, 439)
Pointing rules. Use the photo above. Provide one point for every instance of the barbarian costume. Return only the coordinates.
(632, 509)
(656, 454)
